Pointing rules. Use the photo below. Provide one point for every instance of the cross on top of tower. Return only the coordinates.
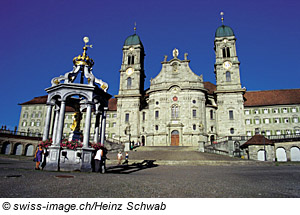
(134, 28)
(222, 17)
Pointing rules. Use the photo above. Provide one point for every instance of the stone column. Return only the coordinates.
(86, 135)
(97, 130)
(61, 121)
(47, 122)
(56, 118)
(103, 125)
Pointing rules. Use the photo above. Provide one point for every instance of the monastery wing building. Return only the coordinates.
(179, 108)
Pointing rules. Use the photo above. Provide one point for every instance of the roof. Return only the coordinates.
(257, 140)
(210, 87)
(272, 97)
(112, 103)
(36, 100)
(133, 40)
(224, 31)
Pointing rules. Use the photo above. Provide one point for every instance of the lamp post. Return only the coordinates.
(265, 153)
(127, 131)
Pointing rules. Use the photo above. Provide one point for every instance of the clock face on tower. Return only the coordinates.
(227, 65)
(129, 71)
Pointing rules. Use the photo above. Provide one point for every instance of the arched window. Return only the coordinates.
(175, 111)
(226, 52)
(129, 82)
(231, 114)
(25, 115)
(130, 59)
(211, 114)
(228, 76)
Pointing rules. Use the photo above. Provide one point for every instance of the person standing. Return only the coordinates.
(126, 158)
(120, 157)
(97, 159)
(38, 157)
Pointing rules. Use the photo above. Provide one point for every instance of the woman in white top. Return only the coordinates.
(97, 159)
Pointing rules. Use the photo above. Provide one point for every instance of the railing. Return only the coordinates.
(282, 137)
(21, 133)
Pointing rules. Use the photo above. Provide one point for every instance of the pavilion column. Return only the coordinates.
(103, 125)
(47, 122)
(97, 129)
(61, 120)
(56, 118)
(86, 135)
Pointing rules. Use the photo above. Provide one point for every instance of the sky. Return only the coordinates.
(39, 39)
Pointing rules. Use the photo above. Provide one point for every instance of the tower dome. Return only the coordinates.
(224, 31)
(133, 40)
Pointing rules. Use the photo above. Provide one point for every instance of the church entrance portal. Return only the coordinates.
(175, 138)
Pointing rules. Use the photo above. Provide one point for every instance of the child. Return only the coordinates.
(126, 158)
(120, 157)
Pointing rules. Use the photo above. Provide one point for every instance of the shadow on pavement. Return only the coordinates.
(127, 169)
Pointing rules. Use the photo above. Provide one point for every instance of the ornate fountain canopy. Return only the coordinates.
(84, 59)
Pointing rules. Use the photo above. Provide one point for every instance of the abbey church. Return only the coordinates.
(180, 108)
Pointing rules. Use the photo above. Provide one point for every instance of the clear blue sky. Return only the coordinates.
(40, 38)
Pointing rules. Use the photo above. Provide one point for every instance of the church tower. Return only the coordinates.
(131, 90)
(230, 113)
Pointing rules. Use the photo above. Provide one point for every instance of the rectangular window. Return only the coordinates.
(267, 121)
(295, 120)
(107, 125)
(266, 111)
(247, 121)
(115, 116)
(284, 110)
(127, 117)
(156, 114)
(286, 120)
(278, 132)
(294, 110)
(256, 111)
(257, 121)
(275, 110)
(114, 124)
(268, 132)
(231, 114)
(144, 116)
(108, 116)
(288, 131)
(249, 133)
(247, 112)
(276, 120)
(211, 114)
(194, 114)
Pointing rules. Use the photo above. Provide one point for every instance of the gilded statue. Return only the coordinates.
(77, 116)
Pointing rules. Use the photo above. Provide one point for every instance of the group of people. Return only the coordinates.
(120, 158)
(99, 158)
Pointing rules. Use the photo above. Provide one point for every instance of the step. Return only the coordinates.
(166, 148)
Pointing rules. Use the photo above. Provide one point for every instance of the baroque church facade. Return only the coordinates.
(179, 108)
